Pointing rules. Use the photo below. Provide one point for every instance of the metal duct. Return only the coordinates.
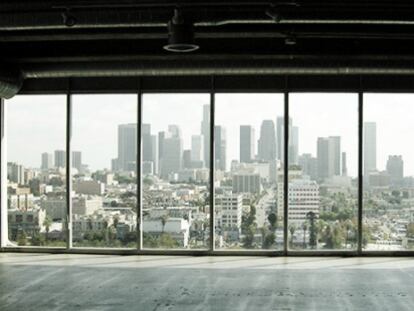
(11, 81)
(209, 67)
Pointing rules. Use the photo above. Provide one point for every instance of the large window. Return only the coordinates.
(248, 171)
(104, 180)
(36, 171)
(175, 174)
(388, 213)
(173, 207)
(323, 165)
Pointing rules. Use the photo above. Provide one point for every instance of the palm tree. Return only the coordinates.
(47, 223)
(292, 230)
(304, 227)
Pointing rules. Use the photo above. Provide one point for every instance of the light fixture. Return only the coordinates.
(180, 35)
(69, 20)
(274, 14)
(290, 40)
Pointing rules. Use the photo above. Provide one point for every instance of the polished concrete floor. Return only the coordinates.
(156, 283)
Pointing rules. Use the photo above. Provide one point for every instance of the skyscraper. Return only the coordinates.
(344, 166)
(247, 143)
(197, 148)
(395, 169)
(149, 147)
(220, 146)
(309, 165)
(171, 161)
(127, 146)
(280, 125)
(370, 147)
(205, 131)
(187, 158)
(60, 158)
(47, 161)
(77, 160)
(294, 145)
(329, 156)
(267, 141)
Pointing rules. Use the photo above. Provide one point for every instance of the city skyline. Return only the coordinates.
(111, 118)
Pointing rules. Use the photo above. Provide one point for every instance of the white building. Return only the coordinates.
(177, 227)
(303, 198)
(229, 207)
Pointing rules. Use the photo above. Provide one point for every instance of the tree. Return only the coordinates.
(164, 219)
(313, 233)
(292, 230)
(47, 222)
(249, 236)
(272, 220)
(305, 228)
(22, 238)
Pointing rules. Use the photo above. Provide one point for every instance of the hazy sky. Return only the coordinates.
(36, 124)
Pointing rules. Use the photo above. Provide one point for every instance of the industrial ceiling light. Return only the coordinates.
(180, 35)
(69, 20)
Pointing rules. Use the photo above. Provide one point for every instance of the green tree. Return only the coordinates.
(22, 238)
(313, 230)
(292, 230)
(47, 222)
(272, 220)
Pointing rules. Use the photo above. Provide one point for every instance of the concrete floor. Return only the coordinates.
(156, 283)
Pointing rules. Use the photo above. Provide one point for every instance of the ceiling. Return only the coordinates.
(125, 37)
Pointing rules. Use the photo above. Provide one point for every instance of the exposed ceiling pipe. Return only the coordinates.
(206, 68)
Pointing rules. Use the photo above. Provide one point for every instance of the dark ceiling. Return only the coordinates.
(111, 37)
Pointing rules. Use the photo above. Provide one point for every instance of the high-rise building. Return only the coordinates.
(161, 137)
(309, 165)
(220, 146)
(294, 145)
(267, 141)
(171, 161)
(60, 158)
(247, 143)
(47, 161)
(329, 156)
(280, 125)
(303, 198)
(395, 169)
(370, 147)
(197, 148)
(205, 131)
(344, 166)
(149, 147)
(15, 173)
(229, 207)
(127, 146)
(77, 160)
(187, 154)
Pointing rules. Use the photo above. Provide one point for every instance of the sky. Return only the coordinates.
(36, 123)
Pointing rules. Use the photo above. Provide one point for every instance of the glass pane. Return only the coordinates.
(175, 175)
(323, 170)
(388, 213)
(249, 171)
(36, 188)
(104, 152)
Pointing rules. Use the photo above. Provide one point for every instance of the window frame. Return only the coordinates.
(212, 86)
